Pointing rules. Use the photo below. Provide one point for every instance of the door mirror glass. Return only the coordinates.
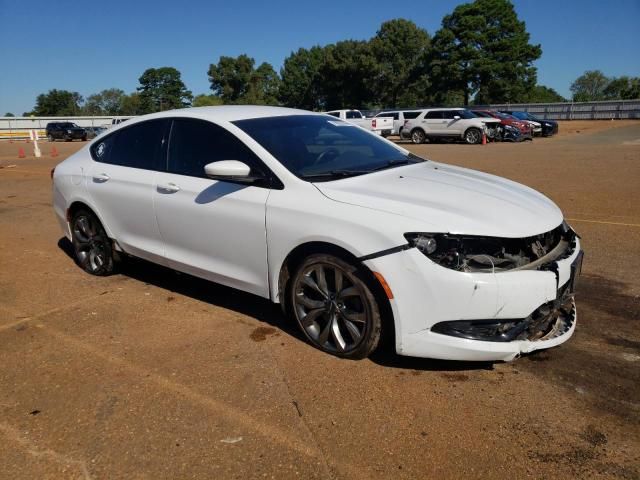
(227, 169)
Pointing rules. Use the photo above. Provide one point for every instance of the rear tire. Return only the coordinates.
(334, 307)
(418, 136)
(92, 247)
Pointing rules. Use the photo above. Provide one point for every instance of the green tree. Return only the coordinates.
(230, 77)
(131, 105)
(206, 101)
(542, 94)
(58, 103)
(9, 114)
(264, 85)
(300, 73)
(236, 81)
(107, 102)
(400, 50)
(589, 86)
(347, 75)
(163, 89)
(483, 49)
(623, 88)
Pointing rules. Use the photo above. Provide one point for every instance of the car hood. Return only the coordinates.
(489, 120)
(448, 199)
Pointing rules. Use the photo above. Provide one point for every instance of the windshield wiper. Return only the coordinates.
(335, 174)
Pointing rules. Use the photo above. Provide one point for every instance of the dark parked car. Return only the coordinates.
(65, 131)
(549, 127)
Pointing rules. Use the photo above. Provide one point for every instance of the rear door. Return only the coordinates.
(121, 184)
(433, 123)
(212, 229)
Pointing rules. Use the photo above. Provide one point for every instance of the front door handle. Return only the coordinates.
(101, 178)
(168, 188)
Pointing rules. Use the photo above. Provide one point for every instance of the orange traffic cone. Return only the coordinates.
(21, 153)
(54, 152)
(484, 138)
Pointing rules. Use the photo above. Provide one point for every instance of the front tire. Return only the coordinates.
(50, 138)
(92, 247)
(418, 136)
(334, 307)
(473, 136)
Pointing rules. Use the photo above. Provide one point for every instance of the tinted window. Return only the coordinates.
(196, 143)
(434, 114)
(334, 114)
(410, 115)
(353, 115)
(318, 148)
(138, 146)
(449, 114)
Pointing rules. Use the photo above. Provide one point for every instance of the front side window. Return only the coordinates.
(137, 146)
(196, 143)
(317, 148)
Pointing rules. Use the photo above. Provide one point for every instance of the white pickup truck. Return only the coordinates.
(380, 125)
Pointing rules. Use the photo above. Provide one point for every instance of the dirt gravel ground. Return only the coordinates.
(150, 374)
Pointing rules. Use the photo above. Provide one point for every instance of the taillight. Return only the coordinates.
(52, 170)
(373, 123)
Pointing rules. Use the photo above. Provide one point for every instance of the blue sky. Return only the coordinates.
(89, 46)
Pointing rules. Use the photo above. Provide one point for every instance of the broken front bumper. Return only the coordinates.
(441, 313)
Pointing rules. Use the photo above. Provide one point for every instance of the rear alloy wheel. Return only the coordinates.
(334, 307)
(91, 244)
(473, 136)
(418, 136)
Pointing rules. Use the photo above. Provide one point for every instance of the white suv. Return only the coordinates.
(457, 123)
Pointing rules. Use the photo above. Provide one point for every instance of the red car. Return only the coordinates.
(505, 119)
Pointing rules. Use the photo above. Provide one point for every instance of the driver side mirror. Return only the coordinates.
(456, 117)
(235, 171)
(227, 170)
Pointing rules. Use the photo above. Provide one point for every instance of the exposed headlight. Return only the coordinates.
(469, 253)
(69, 131)
(510, 128)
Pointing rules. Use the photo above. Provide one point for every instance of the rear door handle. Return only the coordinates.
(101, 178)
(168, 188)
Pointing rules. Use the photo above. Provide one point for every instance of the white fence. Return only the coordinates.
(18, 127)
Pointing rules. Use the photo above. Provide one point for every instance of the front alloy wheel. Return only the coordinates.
(335, 308)
(91, 244)
(473, 136)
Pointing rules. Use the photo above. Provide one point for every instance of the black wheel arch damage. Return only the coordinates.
(297, 256)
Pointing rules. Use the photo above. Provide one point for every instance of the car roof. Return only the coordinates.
(227, 113)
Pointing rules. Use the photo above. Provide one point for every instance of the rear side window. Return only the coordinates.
(196, 143)
(410, 115)
(138, 146)
(434, 114)
(353, 115)
(334, 114)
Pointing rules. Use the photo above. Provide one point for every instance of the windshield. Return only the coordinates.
(319, 148)
(482, 114)
(466, 114)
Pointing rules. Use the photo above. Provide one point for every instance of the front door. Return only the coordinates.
(211, 229)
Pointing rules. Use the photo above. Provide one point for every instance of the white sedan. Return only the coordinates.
(355, 236)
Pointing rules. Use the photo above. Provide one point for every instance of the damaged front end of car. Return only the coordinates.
(476, 254)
